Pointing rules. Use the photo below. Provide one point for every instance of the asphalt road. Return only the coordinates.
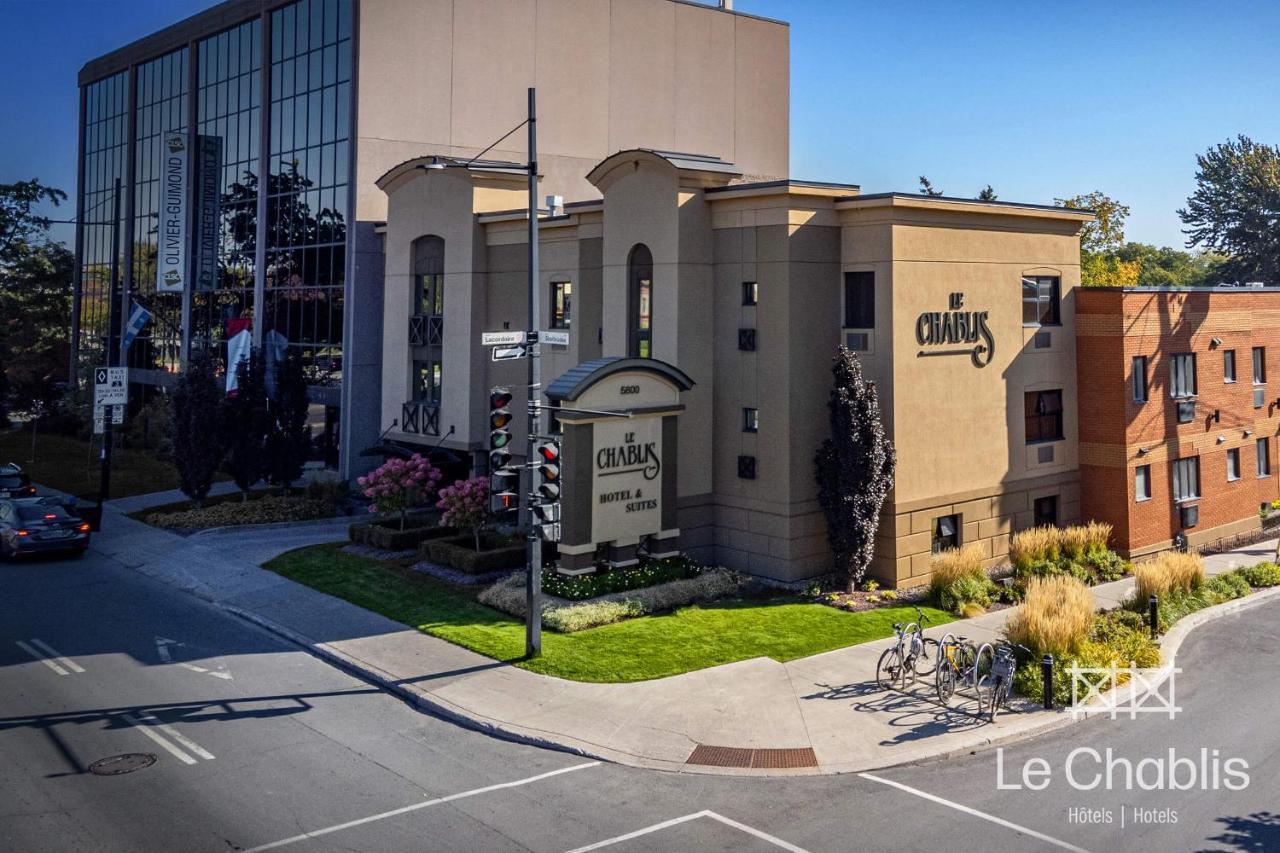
(258, 744)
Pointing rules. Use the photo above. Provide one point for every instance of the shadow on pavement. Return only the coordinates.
(1256, 831)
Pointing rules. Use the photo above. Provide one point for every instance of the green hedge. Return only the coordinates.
(388, 536)
(605, 581)
(459, 552)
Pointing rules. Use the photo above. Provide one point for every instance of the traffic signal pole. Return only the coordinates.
(533, 573)
(114, 320)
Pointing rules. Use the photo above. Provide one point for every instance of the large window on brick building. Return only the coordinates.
(1182, 375)
(1142, 483)
(1139, 375)
(1233, 464)
(1259, 376)
(1043, 415)
(1264, 458)
(1229, 365)
(1186, 479)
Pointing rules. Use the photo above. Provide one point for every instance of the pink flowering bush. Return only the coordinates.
(399, 484)
(466, 505)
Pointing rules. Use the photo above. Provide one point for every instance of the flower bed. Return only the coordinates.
(387, 534)
(605, 581)
(496, 552)
(565, 616)
(267, 509)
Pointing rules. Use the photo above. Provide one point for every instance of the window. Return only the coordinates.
(1182, 375)
(859, 300)
(747, 467)
(946, 533)
(1142, 483)
(1045, 511)
(1229, 365)
(561, 304)
(1259, 377)
(1040, 301)
(1139, 370)
(750, 293)
(1233, 464)
(640, 302)
(1186, 479)
(1264, 457)
(750, 420)
(428, 268)
(426, 386)
(1043, 416)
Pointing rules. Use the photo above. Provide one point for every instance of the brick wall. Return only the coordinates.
(1118, 434)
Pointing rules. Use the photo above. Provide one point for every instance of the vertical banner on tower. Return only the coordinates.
(171, 236)
(208, 209)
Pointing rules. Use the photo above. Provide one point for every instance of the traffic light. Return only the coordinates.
(504, 482)
(547, 517)
(549, 470)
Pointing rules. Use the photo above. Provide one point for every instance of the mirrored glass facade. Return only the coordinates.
(105, 151)
(307, 211)
(229, 109)
(161, 108)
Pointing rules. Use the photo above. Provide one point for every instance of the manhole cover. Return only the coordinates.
(116, 765)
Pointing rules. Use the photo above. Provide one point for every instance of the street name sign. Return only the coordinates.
(555, 338)
(502, 339)
(110, 386)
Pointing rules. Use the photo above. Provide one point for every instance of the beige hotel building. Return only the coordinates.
(686, 243)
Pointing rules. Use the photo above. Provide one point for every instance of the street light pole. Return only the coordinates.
(113, 348)
(533, 574)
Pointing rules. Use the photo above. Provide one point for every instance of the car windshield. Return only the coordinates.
(10, 481)
(43, 513)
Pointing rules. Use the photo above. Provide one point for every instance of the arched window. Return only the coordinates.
(640, 302)
(428, 275)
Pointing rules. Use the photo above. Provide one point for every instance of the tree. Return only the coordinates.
(466, 506)
(289, 442)
(197, 448)
(1167, 267)
(4, 394)
(243, 424)
(926, 188)
(1101, 239)
(1235, 209)
(854, 467)
(398, 484)
(987, 193)
(20, 228)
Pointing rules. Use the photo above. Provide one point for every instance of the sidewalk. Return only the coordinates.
(826, 703)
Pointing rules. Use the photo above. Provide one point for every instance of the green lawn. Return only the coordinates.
(70, 465)
(692, 638)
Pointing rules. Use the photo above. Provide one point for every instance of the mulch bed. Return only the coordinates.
(453, 576)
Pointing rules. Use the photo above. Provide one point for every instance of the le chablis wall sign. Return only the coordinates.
(626, 484)
(969, 329)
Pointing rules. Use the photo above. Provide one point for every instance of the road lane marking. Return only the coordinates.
(180, 738)
(707, 813)
(1048, 839)
(56, 655)
(405, 809)
(164, 744)
(162, 649)
(44, 660)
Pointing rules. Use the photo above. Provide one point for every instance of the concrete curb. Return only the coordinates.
(346, 520)
(422, 700)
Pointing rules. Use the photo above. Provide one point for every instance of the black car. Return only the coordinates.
(40, 525)
(14, 483)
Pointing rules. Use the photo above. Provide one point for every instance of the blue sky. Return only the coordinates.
(1038, 99)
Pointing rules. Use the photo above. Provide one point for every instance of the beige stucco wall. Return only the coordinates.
(450, 77)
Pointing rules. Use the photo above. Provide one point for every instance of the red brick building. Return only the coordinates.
(1179, 411)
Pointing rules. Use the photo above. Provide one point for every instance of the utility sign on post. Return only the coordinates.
(502, 339)
(508, 353)
(110, 386)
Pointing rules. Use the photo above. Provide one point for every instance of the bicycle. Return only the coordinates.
(1002, 669)
(903, 661)
(960, 662)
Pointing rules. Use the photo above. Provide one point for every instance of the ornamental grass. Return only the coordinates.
(1055, 616)
(1171, 573)
(958, 582)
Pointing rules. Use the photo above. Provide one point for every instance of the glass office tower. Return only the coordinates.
(270, 122)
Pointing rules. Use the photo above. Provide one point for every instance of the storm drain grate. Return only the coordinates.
(118, 765)
(764, 759)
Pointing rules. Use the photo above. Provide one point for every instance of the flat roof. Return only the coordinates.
(949, 199)
(231, 12)
(1251, 288)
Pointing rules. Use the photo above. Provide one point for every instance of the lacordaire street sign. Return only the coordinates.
(110, 386)
(617, 464)
(502, 339)
(171, 225)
